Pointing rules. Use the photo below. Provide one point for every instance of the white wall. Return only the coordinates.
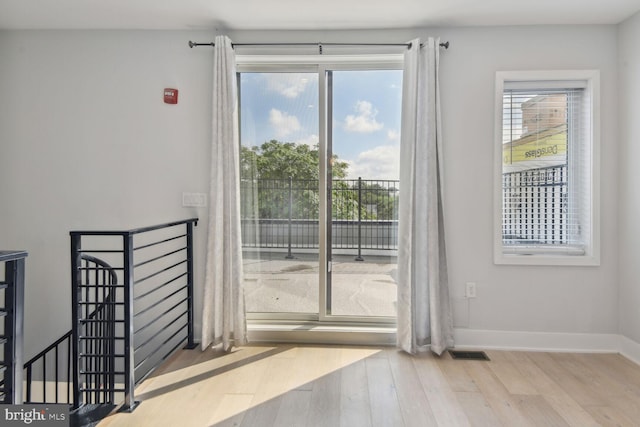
(517, 298)
(629, 177)
(86, 143)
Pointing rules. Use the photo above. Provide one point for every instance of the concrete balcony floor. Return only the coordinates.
(274, 284)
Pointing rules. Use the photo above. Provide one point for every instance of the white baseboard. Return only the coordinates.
(464, 338)
(630, 349)
(537, 341)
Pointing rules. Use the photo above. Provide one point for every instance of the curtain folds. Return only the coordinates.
(223, 314)
(424, 309)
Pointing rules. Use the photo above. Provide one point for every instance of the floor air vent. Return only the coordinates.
(469, 355)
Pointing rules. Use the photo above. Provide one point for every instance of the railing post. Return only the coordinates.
(289, 254)
(359, 257)
(76, 296)
(191, 344)
(13, 348)
(129, 361)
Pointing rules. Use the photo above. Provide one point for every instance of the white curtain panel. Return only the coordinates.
(424, 309)
(223, 314)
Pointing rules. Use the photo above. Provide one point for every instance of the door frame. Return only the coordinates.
(320, 65)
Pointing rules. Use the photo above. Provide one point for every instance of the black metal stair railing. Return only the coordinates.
(143, 314)
(48, 375)
(54, 360)
(12, 316)
(132, 308)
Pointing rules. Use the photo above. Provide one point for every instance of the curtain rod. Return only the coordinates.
(319, 44)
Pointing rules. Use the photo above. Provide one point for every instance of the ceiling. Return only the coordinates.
(304, 14)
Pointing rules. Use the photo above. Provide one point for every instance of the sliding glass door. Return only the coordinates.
(319, 192)
(364, 146)
(279, 191)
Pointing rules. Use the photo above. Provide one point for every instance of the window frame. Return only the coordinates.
(552, 256)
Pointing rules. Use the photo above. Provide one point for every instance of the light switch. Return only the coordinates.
(198, 200)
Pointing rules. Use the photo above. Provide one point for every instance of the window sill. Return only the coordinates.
(546, 259)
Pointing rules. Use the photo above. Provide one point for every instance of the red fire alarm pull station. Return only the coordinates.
(170, 96)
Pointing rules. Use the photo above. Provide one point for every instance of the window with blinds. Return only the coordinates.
(545, 168)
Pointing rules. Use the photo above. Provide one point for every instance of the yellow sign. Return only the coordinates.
(548, 146)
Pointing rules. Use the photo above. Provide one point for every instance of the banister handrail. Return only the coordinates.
(40, 358)
(103, 264)
(12, 255)
(48, 349)
(134, 230)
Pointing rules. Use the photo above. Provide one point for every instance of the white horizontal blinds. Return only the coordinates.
(579, 199)
(542, 164)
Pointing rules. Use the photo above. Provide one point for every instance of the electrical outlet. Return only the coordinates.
(470, 291)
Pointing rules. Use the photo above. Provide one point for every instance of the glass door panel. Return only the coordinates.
(364, 151)
(279, 191)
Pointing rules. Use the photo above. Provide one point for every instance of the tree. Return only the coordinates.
(267, 172)
(275, 171)
(284, 160)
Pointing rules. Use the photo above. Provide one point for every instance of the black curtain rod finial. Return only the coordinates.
(194, 44)
(445, 45)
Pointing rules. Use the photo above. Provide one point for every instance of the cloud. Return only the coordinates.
(289, 85)
(311, 141)
(282, 123)
(382, 162)
(393, 135)
(364, 121)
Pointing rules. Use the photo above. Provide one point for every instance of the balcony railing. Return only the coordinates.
(535, 207)
(284, 213)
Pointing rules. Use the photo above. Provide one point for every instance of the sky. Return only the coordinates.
(366, 116)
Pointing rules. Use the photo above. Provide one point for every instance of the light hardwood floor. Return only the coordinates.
(297, 385)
